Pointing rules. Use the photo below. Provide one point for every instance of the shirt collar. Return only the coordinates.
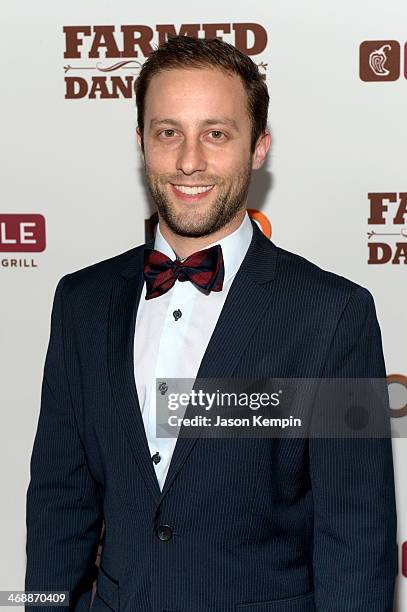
(234, 246)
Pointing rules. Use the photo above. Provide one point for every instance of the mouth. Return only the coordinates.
(191, 192)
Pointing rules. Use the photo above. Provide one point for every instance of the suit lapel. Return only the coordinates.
(124, 302)
(245, 305)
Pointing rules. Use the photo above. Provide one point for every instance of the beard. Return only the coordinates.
(231, 198)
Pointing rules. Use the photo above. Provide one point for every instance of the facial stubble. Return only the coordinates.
(229, 201)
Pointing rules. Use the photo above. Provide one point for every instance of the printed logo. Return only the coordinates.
(24, 233)
(261, 220)
(107, 58)
(397, 385)
(404, 559)
(379, 60)
(387, 244)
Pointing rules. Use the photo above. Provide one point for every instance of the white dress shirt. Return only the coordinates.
(168, 348)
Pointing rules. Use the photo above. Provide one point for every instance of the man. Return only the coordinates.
(200, 524)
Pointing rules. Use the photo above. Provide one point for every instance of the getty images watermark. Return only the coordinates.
(210, 401)
(294, 407)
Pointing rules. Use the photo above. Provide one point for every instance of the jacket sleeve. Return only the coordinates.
(63, 503)
(355, 550)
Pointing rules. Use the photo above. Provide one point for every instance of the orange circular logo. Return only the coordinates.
(262, 220)
(398, 379)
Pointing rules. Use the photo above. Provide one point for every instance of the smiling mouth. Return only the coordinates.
(192, 190)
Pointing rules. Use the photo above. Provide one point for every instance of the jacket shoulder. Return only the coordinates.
(100, 275)
(297, 271)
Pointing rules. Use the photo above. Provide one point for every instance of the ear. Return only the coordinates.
(261, 149)
(140, 143)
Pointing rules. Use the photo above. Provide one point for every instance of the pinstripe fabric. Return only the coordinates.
(283, 525)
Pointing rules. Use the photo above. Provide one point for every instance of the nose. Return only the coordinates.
(191, 157)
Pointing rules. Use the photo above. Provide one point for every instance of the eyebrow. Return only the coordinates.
(206, 122)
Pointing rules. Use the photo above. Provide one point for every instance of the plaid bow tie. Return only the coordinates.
(205, 269)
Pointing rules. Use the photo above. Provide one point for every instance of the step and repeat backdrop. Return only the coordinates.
(334, 187)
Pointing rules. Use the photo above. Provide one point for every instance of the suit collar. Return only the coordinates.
(260, 263)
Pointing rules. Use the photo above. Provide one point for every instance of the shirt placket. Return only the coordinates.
(167, 367)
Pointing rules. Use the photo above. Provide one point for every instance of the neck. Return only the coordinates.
(184, 246)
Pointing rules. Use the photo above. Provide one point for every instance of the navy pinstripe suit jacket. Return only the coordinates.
(277, 525)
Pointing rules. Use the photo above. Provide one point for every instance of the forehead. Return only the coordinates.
(196, 93)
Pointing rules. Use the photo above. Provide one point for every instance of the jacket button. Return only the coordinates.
(164, 533)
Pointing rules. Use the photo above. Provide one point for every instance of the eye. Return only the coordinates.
(217, 134)
(168, 133)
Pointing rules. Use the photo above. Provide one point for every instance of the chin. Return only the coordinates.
(188, 225)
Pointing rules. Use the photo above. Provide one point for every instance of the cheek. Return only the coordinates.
(233, 166)
(158, 160)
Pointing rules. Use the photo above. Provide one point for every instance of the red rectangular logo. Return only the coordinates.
(23, 233)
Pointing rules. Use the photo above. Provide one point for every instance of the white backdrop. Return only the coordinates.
(336, 138)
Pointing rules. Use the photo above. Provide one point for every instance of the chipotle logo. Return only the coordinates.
(379, 60)
(102, 61)
(23, 233)
(382, 60)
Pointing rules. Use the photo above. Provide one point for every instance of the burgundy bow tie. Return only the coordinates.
(205, 269)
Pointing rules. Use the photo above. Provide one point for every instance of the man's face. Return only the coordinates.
(197, 135)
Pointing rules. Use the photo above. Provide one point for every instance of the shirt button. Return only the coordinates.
(156, 457)
(163, 388)
(177, 314)
(164, 533)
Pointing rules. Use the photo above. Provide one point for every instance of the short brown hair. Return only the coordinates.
(189, 52)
